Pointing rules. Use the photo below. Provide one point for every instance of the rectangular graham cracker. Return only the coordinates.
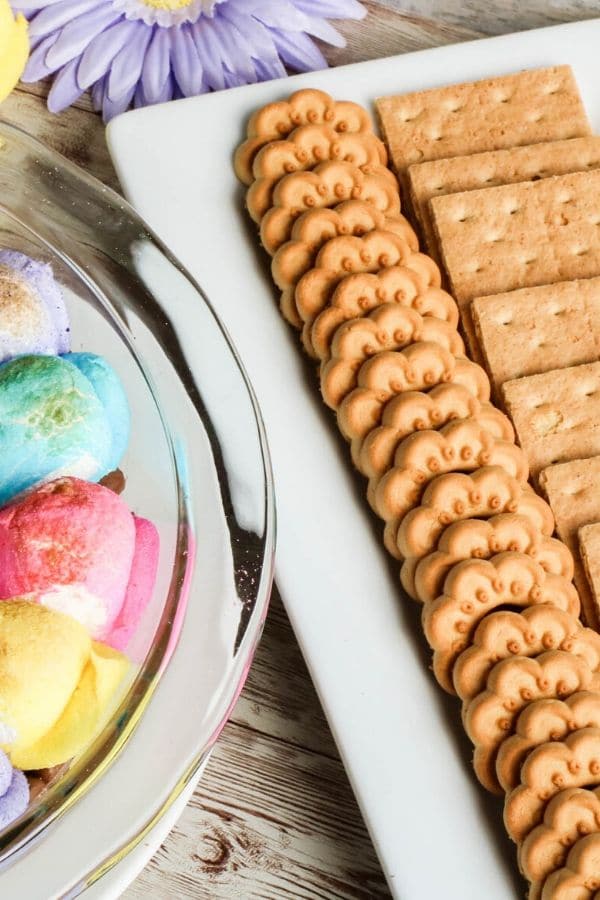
(589, 548)
(573, 492)
(519, 235)
(556, 415)
(529, 331)
(508, 111)
(480, 170)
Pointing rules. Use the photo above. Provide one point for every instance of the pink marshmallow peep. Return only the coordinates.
(75, 546)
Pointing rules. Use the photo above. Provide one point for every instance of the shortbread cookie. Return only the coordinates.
(426, 411)
(490, 718)
(546, 720)
(481, 494)
(549, 769)
(579, 879)
(556, 415)
(307, 146)
(276, 156)
(460, 446)
(475, 587)
(306, 107)
(569, 816)
(356, 295)
(572, 491)
(317, 226)
(527, 332)
(387, 327)
(589, 548)
(534, 630)
(525, 108)
(482, 538)
(480, 170)
(346, 255)
(327, 184)
(520, 235)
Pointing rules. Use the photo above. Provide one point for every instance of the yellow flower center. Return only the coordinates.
(167, 4)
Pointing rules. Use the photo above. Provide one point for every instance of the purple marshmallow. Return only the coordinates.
(33, 316)
(14, 800)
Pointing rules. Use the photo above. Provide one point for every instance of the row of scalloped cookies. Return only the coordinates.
(417, 413)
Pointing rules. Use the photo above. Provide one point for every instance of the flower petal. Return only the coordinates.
(157, 65)
(76, 36)
(298, 51)
(332, 9)
(65, 90)
(235, 51)
(59, 14)
(185, 62)
(112, 108)
(98, 91)
(127, 65)
(280, 14)
(36, 67)
(99, 54)
(209, 52)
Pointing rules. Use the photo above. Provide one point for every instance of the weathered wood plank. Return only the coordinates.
(267, 821)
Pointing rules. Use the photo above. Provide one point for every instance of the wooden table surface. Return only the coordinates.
(274, 815)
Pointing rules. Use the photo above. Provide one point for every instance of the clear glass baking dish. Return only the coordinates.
(197, 465)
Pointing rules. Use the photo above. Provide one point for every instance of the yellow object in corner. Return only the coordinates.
(14, 48)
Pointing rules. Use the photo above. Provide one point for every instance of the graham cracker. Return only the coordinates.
(572, 489)
(527, 332)
(589, 548)
(556, 415)
(507, 111)
(519, 235)
(480, 170)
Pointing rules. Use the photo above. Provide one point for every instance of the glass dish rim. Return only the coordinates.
(253, 627)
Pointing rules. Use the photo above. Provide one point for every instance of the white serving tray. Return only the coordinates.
(436, 832)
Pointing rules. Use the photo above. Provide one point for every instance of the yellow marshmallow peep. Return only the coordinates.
(57, 686)
(14, 48)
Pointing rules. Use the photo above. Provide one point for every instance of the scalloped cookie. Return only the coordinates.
(549, 769)
(475, 587)
(513, 684)
(550, 719)
(358, 294)
(569, 816)
(482, 538)
(326, 185)
(387, 327)
(481, 494)
(305, 107)
(530, 632)
(580, 876)
(315, 228)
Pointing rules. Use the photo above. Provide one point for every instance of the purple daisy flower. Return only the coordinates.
(138, 52)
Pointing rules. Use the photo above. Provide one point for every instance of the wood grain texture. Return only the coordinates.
(274, 815)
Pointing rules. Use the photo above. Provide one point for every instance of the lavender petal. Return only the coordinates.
(53, 17)
(76, 36)
(98, 91)
(332, 9)
(128, 63)
(299, 52)
(235, 51)
(112, 108)
(99, 54)
(155, 71)
(65, 90)
(36, 67)
(208, 51)
(185, 62)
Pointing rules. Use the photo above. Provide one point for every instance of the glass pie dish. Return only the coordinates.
(198, 466)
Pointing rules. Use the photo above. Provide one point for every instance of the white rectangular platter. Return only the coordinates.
(436, 832)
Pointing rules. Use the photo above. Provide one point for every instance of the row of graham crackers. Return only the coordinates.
(503, 176)
(498, 607)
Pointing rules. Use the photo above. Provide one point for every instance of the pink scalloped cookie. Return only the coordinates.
(76, 547)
